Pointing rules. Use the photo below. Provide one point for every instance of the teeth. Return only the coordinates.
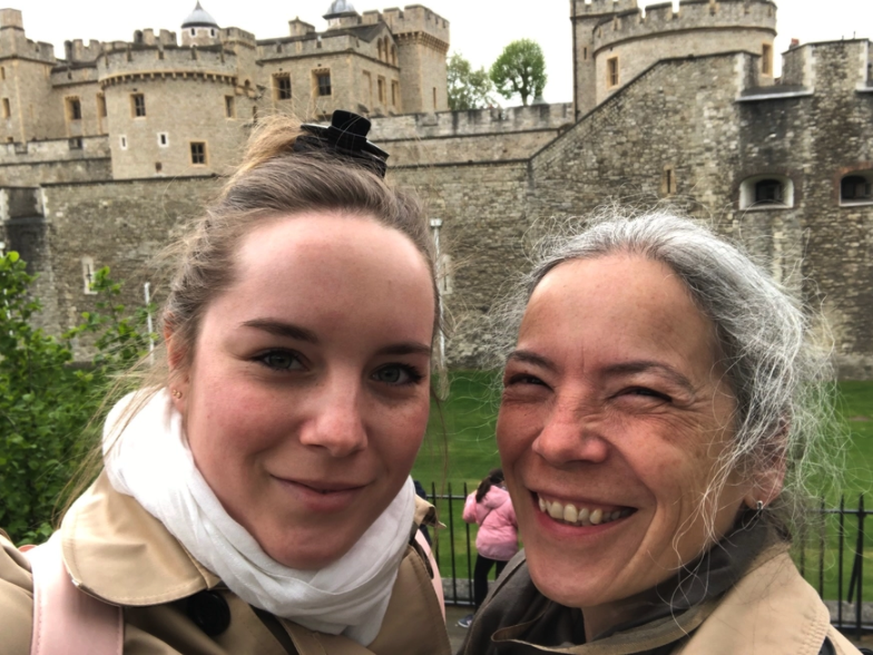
(582, 516)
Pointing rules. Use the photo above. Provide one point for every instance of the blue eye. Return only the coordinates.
(397, 374)
(280, 360)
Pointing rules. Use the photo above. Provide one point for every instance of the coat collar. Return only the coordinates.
(118, 552)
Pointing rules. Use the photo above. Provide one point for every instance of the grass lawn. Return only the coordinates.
(460, 450)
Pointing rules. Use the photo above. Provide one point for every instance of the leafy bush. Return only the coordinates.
(47, 402)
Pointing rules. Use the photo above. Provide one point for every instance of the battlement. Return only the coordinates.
(76, 51)
(589, 8)
(14, 43)
(298, 27)
(692, 15)
(310, 44)
(148, 37)
(160, 60)
(416, 19)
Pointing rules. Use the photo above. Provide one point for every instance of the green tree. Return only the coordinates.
(468, 89)
(47, 402)
(520, 69)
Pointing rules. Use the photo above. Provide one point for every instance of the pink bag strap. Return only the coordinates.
(66, 620)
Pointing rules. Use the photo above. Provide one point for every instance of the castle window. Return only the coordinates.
(211, 32)
(282, 86)
(101, 105)
(368, 87)
(394, 55)
(434, 98)
(612, 72)
(585, 53)
(159, 167)
(322, 80)
(668, 181)
(857, 188)
(198, 153)
(229, 108)
(767, 59)
(137, 105)
(395, 93)
(380, 84)
(75, 143)
(163, 139)
(379, 48)
(7, 108)
(74, 109)
(2, 72)
(278, 47)
(193, 32)
(122, 141)
(88, 272)
(766, 192)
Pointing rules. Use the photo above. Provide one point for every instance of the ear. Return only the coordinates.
(767, 484)
(178, 374)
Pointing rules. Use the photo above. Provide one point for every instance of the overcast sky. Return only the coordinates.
(479, 28)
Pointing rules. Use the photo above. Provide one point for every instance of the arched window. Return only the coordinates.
(394, 55)
(769, 191)
(856, 188)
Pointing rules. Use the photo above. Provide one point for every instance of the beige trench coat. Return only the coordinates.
(119, 553)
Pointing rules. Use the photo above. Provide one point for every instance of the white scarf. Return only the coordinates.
(150, 460)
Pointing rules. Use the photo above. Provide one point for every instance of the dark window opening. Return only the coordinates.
(768, 192)
(198, 152)
(228, 107)
(283, 87)
(76, 143)
(75, 109)
(323, 80)
(139, 108)
(855, 187)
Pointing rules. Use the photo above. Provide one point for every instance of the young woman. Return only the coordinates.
(256, 495)
(490, 507)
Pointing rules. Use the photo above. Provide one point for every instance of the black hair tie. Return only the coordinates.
(347, 136)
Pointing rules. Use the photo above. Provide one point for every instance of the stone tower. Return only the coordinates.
(614, 41)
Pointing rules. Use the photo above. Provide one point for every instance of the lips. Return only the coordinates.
(581, 515)
(321, 496)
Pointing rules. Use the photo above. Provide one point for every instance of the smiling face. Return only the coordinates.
(307, 396)
(613, 416)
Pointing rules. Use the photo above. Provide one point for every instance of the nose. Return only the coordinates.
(336, 417)
(571, 434)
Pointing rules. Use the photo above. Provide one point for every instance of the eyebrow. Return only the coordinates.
(528, 357)
(644, 366)
(282, 329)
(291, 331)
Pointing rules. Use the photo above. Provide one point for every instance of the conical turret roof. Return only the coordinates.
(340, 8)
(199, 18)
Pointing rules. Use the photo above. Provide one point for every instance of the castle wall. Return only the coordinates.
(122, 225)
(33, 162)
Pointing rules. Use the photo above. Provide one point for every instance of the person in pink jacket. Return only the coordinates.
(497, 541)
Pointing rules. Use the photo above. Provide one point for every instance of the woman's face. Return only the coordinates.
(614, 409)
(308, 393)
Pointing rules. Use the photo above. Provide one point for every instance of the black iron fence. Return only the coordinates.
(831, 557)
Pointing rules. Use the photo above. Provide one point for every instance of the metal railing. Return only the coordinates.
(831, 557)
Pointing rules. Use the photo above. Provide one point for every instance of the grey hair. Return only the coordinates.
(778, 374)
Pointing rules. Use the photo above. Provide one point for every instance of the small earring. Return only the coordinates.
(758, 506)
(178, 394)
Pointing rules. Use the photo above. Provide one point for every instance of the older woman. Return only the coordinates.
(658, 409)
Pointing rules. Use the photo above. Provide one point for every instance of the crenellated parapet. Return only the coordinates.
(416, 21)
(143, 62)
(589, 8)
(14, 43)
(76, 51)
(310, 44)
(693, 16)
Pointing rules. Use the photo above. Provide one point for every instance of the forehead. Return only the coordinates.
(625, 303)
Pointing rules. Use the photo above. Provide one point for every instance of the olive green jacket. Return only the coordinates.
(114, 550)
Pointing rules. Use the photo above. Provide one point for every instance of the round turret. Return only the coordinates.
(199, 28)
(341, 14)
